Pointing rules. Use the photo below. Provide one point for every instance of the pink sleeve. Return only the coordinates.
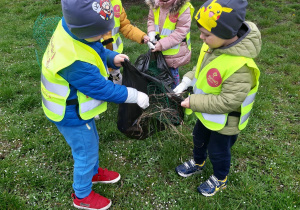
(150, 23)
(182, 28)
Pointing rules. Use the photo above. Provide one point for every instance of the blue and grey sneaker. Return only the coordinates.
(212, 186)
(189, 168)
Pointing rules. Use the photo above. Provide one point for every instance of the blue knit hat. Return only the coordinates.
(88, 18)
(222, 18)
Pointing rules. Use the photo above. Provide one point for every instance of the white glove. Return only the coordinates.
(142, 100)
(185, 83)
(152, 37)
(151, 46)
(137, 97)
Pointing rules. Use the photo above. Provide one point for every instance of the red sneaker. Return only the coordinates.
(93, 201)
(105, 176)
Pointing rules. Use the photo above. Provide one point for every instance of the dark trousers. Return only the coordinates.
(216, 145)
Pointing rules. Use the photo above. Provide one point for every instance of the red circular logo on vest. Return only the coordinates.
(117, 11)
(173, 18)
(214, 78)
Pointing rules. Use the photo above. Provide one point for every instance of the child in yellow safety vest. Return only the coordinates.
(169, 23)
(75, 88)
(225, 82)
(113, 41)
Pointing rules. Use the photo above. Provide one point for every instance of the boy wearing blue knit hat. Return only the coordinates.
(75, 89)
(225, 82)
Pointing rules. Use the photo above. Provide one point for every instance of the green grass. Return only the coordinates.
(36, 164)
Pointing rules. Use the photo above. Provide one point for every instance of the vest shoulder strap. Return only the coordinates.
(67, 50)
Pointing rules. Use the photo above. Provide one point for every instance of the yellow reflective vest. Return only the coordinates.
(209, 81)
(117, 43)
(61, 52)
(170, 25)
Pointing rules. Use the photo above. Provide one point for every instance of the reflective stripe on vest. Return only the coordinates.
(226, 65)
(216, 118)
(89, 105)
(61, 52)
(117, 42)
(53, 107)
(63, 91)
(54, 88)
(115, 31)
(220, 118)
(169, 26)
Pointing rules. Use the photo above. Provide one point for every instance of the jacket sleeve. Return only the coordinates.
(87, 79)
(178, 35)
(234, 91)
(191, 74)
(150, 22)
(129, 31)
(110, 56)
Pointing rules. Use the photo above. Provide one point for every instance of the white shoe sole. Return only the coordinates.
(109, 182)
(187, 175)
(82, 207)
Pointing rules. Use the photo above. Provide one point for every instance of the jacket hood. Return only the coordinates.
(249, 43)
(174, 9)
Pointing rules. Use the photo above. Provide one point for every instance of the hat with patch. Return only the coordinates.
(88, 18)
(222, 18)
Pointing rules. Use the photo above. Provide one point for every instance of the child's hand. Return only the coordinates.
(146, 39)
(158, 47)
(186, 103)
(120, 59)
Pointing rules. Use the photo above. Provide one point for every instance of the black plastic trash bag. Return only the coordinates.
(154, 64)
(164, 107)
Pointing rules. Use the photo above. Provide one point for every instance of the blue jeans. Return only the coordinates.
(175, 73)
(84, 143)
(218, 147)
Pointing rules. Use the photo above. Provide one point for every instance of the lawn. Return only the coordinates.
(36, 164)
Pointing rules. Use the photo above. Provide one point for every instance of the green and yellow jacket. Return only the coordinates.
(235, 88)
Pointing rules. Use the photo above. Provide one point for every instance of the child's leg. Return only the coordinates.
(219, 153)
(97, 137)
(84, 143)
(201, 136)
(175, 73)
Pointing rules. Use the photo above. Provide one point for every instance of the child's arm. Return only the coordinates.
(110, 55)
(114, 60)
(129, 31)
(178, 35)
(151, 26)
(186, 81)
(87, 79)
